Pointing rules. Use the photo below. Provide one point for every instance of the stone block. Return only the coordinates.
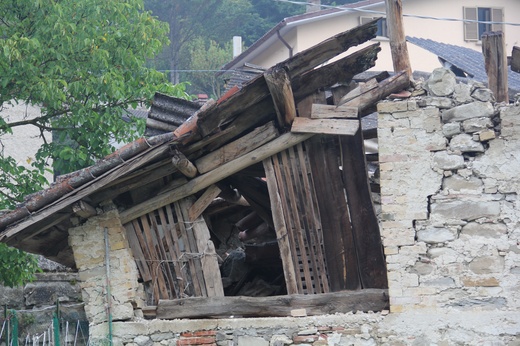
(487, 265)
(252, 341)
(434, 235)
(451, 129)
(486, 135)
(483, 95)
(467, 111)
(487, 230)
(392, 106)
(441, 82)
(462, 93)
(465, 144)
(464, 210)
(477, 124)
(440, 282)
(442, 160)
(479, 282)
(458, 184)
(433, 101)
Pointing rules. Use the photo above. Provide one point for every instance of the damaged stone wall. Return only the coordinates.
(449, 191)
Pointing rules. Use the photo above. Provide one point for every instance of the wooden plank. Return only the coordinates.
(164, 260)
(173, 258)
(361, 89)
(515, 59)
(148, 257)
(369, 249)
(397, 36)
(279, 85)
(276, 306)
(342, 70)
(201, 182)
(320, 111)
(495, 61)
(155, 259)
(203, 202)
(208, 260)
(280, 228)
(289, 218)
(368, 99)
(338, 239)
(139, 257)
(241, 146)
(325, 126)
(190, 253)
(181, 274)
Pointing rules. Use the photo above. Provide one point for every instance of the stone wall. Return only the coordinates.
(450, 226)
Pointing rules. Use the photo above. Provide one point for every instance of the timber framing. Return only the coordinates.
(274, 166)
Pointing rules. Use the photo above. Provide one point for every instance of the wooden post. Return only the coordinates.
(515, 59)
(399, 50)
(495, 60)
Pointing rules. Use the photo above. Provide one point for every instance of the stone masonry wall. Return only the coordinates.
(88, 244)
(450, 226)
(449, 194)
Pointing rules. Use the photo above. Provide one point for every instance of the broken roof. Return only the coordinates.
(40, 224)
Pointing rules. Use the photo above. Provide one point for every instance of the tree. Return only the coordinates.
(207, 57)
(83, 63)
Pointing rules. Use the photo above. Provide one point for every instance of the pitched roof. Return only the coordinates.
(288, 24)
(467, 60)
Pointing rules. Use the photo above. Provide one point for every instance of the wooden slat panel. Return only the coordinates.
(314, 221)
(190, 249)
(148, 256)
(137, 251)
(173, 263)
(280, 227)
(162, 264)
(210, 271)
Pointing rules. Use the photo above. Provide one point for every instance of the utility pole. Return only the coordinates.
(398, 48)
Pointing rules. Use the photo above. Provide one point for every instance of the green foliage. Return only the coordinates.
(83, 62)
(16, 267)
(207, 56)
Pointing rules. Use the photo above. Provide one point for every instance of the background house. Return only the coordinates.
(434, 20)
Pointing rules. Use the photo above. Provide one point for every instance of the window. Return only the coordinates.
(473, 30)
(382, 30)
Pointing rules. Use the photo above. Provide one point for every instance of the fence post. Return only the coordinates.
(14, 341)
(56, 324)
(8, 325)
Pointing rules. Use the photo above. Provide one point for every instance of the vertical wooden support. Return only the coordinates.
(399, 50)
(280, 228)
(515, 59)
(495, 60)
(279, 85)
(369, 249)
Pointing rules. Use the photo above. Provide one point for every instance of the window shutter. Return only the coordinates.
(497, 15)
(470, 29)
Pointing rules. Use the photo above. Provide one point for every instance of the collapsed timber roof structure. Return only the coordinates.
(281, 163)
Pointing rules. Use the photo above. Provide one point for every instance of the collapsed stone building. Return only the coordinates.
(281, 167)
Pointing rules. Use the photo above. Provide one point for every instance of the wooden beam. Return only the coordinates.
(241, 146)
(495, 61)
(83, 209)
(515, 59)
(277, 306)
(398, 48)
(342, 71)
(325, 126)
(368, 99)
(203, 202)
(182, 163)
(201, 182)
(333, 112)
(279, 85)
(361, 89)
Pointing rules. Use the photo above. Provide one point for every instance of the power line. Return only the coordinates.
(347, 9)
